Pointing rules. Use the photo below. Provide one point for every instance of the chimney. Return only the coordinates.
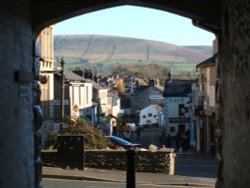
(169, 77)
(157, 82)
(151, 83)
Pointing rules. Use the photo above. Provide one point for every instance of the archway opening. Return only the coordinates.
(117, 53)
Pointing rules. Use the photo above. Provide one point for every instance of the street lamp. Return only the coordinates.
(62, 95)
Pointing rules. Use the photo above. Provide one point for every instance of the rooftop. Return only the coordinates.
(176, 88)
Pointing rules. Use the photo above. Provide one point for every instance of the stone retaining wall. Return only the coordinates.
(145, 161)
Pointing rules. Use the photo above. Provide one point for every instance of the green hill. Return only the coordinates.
(103, 51)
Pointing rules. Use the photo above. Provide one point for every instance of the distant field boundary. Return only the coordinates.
(104, 66)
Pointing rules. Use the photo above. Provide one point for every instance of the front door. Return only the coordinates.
(181, 128)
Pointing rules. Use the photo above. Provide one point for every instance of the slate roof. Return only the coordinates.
(97, 86)
(177, 88)
(157, 107)
(70, 76)
(140, 89)
(207, 62)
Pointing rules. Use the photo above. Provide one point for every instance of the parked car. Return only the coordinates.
(119, 142)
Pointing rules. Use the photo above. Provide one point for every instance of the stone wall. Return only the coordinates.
(234, 100)
(16, 110)
(145, 161)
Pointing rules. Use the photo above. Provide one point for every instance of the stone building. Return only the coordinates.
(78, 93)
(177, 113)
(205, 112)
(144, 96)
(99, 97)
(46, 41)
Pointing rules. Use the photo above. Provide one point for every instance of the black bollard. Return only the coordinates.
(130, 168)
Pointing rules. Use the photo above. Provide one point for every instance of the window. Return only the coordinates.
(181, 128)
(172, 129)
(73, 96)
(80, 101)
(181, 110)
(149, 114)
(87, 94)
(144, 116)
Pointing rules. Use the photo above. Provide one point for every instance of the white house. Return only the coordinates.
(114, 109)
(80, 95)
(77, 96)
(100, 97)
(151, 115)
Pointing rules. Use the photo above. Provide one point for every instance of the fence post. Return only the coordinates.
(130, 168)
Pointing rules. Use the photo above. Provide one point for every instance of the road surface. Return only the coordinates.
(55, 183)
(194, 167)
(148, 136)
(185, 164)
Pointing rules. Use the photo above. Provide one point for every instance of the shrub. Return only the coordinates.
(94, 138)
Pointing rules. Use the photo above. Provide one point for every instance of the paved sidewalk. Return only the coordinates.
(120, 176)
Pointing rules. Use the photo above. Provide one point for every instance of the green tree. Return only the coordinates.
(120, 85)
(147, 71)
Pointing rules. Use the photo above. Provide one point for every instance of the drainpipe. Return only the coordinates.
(198, 134)
(98, 110)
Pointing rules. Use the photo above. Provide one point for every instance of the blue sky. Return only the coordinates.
(137, 22)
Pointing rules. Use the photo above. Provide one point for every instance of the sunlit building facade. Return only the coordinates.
(46, 41)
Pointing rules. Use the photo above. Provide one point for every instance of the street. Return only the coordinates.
(185, 164)
(55, 183)
(190, 166)
(148, 136)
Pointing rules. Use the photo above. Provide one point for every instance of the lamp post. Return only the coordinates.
(62, 95)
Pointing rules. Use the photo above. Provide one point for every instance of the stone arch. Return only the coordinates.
(231, 16)
(204, 14)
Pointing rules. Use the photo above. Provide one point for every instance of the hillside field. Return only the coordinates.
(99, 53)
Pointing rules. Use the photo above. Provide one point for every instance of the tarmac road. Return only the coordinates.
(56, 183)
(190, 165)
(186, 164)
(148, 136)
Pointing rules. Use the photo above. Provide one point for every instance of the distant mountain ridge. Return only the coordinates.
(98, 48)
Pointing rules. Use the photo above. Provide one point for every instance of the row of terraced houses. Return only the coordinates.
(83, 97)
(181, 105)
